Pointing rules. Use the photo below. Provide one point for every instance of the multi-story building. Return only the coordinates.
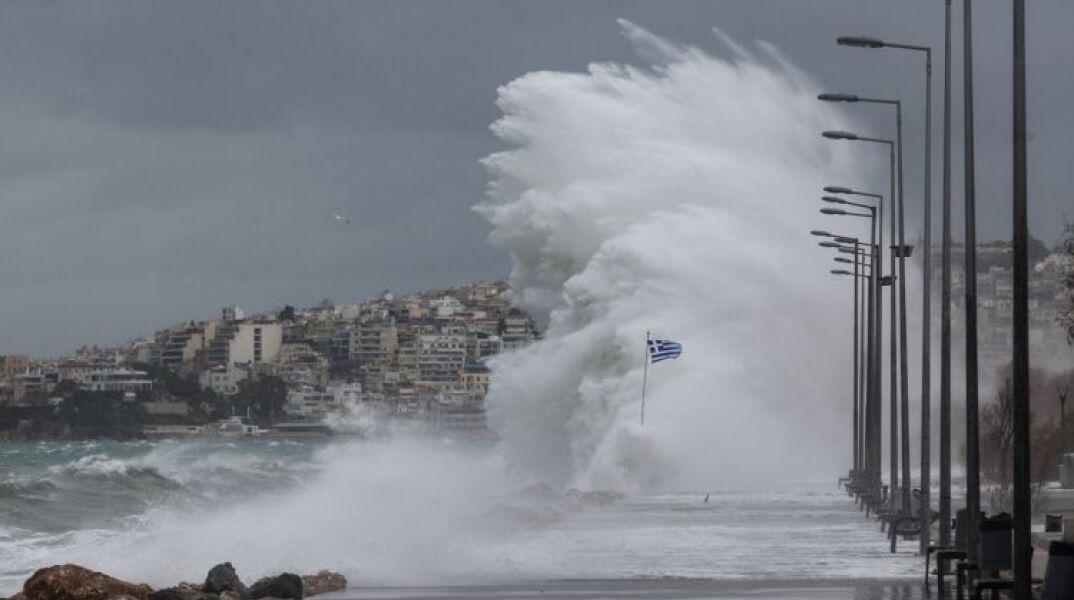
(308, 403)
(475, 379)
(374, 342)
(13, 364)
(33, 384)
(181, 344)
(440, 357)
(117, 380)
(245, 343)
(517, 331)
(74, 370)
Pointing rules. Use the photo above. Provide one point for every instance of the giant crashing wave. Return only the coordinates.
(673, 199)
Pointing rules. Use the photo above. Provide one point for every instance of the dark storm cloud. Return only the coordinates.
(161, 159)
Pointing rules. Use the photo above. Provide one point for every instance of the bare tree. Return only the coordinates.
(997, 437)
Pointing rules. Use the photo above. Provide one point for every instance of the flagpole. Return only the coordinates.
(644, 378)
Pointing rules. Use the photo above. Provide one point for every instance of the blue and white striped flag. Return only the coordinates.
(663, 350)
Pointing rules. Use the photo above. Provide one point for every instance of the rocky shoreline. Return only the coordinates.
(73, 582)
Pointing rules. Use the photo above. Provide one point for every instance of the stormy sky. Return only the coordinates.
(163, 159)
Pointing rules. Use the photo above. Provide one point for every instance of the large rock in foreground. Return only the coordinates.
(72, 582)
(322, 582)
(183, 591)
(284, 585)
(223, 578)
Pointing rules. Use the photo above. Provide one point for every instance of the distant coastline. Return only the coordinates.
(292, 372)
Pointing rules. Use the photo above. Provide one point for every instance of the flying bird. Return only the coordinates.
(341, 219)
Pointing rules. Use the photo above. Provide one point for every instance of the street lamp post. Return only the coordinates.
(1022, 551)
(926, 317)
(973, 456)
(861, 281)
(945, 293)
(894, 419)
(854, 352)
(873, 397)
(856, 469)
(897, 349)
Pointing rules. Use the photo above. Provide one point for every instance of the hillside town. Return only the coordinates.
(1049, 300)
(416, 358)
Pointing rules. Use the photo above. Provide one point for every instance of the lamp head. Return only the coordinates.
(840, 135)
(837, 189)
(820, 233)
(838, 97)
(859, 41)
(833, 211)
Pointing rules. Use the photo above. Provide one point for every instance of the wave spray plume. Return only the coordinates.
(676, 199)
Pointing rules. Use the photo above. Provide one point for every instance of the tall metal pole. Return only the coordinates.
(926, 320)
(1020, 339)
(644, 377)
(870, 369)
(878, 351)
(854, 348)
(903, 369)
(863, 370)
(893, 400)
(945, 296)
(874, 406)
(973, 461)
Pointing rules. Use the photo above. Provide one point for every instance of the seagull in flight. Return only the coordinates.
(341, 219)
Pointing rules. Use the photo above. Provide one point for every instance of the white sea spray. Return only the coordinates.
(674, 199)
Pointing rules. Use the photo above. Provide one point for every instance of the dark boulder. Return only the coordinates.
(72, 582)
(222, 578)
(322, 582)
(183, 591)
(284, 585)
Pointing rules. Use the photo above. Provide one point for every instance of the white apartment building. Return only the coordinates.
(117, 380)
(246, 343)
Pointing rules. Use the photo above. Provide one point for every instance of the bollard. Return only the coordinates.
(994, 555)
(1059, 575)
(995, 548)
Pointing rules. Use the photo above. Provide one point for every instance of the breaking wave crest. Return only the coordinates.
(673, 199)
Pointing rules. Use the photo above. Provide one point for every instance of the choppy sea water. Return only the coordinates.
(403, 513)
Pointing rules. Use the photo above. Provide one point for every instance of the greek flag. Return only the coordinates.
(663, 350)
